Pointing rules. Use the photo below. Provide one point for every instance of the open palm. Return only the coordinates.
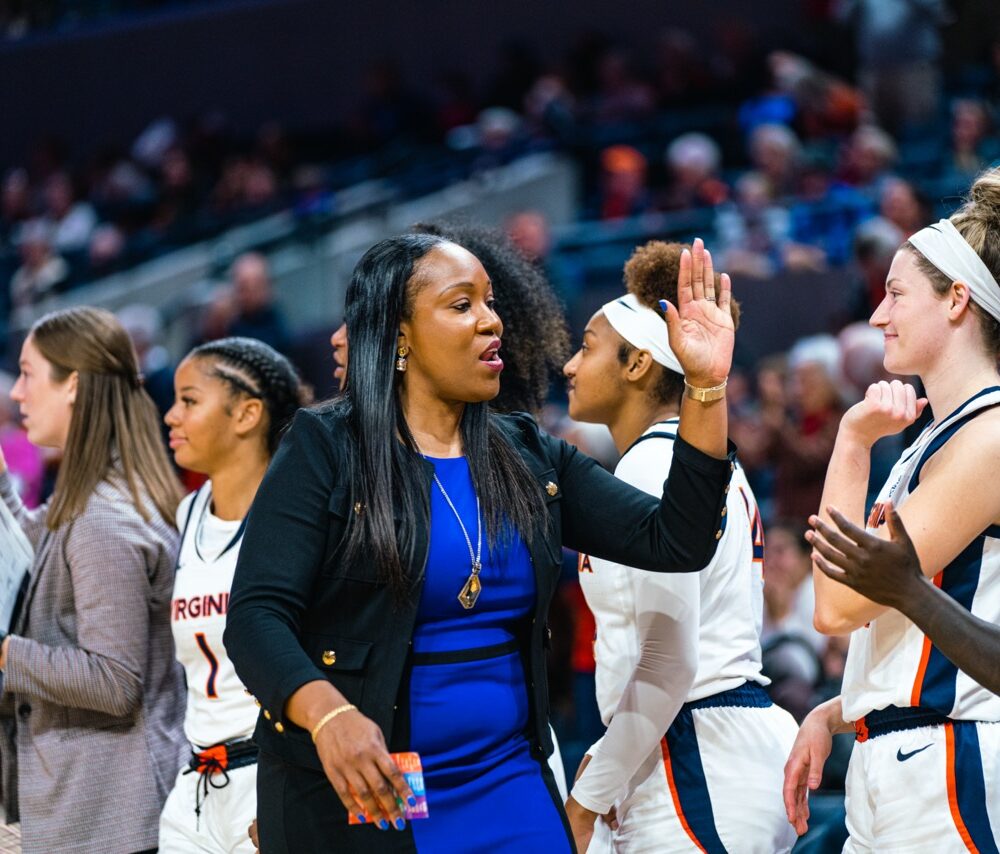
(701, 326)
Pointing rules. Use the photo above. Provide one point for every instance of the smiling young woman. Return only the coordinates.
(941, 321)
(233, 399)
(400, 557)
(89, 664)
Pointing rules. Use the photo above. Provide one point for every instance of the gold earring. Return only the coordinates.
(401, 352)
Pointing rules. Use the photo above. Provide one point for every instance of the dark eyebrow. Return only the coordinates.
(587, 332)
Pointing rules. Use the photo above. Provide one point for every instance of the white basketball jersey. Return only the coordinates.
(218, 707)
(731, 588)
(892, 662)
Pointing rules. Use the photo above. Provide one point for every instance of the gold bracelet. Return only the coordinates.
(706, 395)
(329, 716)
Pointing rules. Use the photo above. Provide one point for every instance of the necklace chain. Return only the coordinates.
(474, 557)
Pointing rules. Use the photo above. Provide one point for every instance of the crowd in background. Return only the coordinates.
(800, 161)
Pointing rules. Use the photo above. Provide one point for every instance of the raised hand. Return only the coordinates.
(700, 326)
(886, 409)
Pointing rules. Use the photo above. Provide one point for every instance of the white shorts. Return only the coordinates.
(713, 786)
(226, 814)
(931, 788)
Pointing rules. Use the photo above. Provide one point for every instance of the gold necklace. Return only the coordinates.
(470, 591)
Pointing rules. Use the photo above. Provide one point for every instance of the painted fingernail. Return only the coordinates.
(361, 817)
(412, 801)
(383, 824)
(663, 304)
(400, 824)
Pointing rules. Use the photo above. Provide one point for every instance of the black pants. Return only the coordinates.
(298, 811)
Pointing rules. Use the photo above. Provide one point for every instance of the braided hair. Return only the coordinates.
(255, 369)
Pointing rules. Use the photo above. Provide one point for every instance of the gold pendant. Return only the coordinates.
(470, 592)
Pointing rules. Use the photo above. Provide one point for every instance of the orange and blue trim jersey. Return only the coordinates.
(218, 707)
(891, 661)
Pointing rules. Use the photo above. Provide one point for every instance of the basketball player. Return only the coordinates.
(233, 397)
(692, 757)
(925, 772)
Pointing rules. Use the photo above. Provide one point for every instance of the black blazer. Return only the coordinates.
(299, 612)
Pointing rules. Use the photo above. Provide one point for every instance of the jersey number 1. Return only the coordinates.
(213, 665)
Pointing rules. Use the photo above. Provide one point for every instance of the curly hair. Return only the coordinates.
(536, 341)
(651, 274)
(255, 369)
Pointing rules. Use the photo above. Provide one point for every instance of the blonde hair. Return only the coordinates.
(112, 412)
(978, 221)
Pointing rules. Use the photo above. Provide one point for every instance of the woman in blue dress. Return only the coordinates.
(401, 554)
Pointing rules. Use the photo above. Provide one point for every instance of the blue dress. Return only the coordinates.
(468, 719)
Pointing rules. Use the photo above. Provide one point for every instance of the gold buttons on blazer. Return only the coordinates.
(551, 488)
(257, 702)
(267, 714)
(329, 657)
(279, 727)
(718, 534)
(724, 509)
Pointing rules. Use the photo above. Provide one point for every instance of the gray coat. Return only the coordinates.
(93, 697)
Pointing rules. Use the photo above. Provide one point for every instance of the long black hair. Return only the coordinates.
(386, 462)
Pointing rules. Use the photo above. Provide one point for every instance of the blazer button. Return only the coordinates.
(724, 510)
(24, 709)
(726, 490)
(718, 534)
(329, 657)
(279, 727)
(551, 488)
(256, 702)
(267, 715)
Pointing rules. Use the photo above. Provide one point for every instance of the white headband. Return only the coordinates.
(946, 249)
(643, 328)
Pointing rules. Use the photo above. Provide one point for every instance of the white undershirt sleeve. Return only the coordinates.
(666, 614)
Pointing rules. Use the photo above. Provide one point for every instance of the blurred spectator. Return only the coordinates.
(529, 232)
(41, 273)
(693, 161)
(215, 316)
(827, 211)
(790, 646)
(623, 183)
(868, 157)
(795, 435)
(788, 592)
(875, 245)
(826, 105)
(899, 50)
(973, 146)
(621, 96)
(71, 222)
(257, 313)
(24, 460)
(776, 154)
(144, 327)
(752, 230)
(15, 203)
(681, 72)
(902, 205)
(106, 247)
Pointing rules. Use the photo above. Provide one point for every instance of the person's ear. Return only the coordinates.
(248, 415)
(958, 299)
(640, 363)
(72, 384)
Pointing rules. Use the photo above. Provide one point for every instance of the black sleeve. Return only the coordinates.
(608, 518)
(280, 559)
